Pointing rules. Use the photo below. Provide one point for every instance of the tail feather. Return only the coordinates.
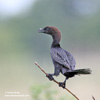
(82, 71)
(78, 72)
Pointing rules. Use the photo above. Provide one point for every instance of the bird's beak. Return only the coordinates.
(41, 30)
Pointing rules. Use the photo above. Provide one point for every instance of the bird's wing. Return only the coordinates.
(60, 56)
(71, 60)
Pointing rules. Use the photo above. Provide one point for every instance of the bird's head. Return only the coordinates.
(49, 30)
(53, 31)
(46, 30)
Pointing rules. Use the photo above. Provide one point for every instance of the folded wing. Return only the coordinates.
(63, 57)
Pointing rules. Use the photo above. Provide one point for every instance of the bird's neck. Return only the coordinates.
(55, 42)
(55, 45)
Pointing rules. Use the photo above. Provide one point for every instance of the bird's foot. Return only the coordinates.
(50, 77)
(62, 84)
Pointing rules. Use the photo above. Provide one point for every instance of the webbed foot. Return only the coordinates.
(62, 84)
(50, 77)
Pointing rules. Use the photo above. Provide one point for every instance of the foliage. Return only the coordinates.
(46, 92)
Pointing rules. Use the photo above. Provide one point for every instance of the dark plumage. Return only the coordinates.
(63, 61)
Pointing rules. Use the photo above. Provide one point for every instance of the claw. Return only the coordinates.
(50, 77)
(62, 84)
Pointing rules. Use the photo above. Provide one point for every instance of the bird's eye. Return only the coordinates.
(46, 28)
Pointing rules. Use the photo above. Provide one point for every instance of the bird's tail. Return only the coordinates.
(78, 72)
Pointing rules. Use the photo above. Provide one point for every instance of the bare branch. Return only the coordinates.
(57, 82)
(93, 98)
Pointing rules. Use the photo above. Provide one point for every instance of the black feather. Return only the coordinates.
(77, 72)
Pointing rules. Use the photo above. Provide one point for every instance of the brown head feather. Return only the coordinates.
(54, 32)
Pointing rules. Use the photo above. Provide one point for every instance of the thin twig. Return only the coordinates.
(93, 98)
(56, 81)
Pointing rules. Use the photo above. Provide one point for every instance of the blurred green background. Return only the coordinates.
(21, 45)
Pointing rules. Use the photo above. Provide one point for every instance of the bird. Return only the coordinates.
(63, 60)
